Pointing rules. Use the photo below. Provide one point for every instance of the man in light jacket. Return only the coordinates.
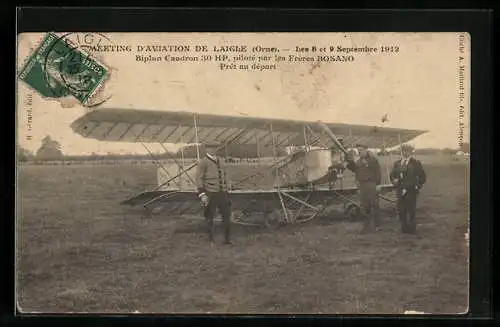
(212, 184)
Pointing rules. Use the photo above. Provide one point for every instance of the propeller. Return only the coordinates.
(333, 137)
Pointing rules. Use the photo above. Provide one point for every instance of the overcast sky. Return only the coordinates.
(417, 88)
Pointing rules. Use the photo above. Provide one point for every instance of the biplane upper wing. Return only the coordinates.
(133, 125)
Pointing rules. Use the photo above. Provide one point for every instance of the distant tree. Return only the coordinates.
(465, 147)
(428, 151)
(50, 149)
(23, 154)
(448, 151)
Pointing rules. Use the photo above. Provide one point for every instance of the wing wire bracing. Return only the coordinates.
(176, 162)
(189, 168)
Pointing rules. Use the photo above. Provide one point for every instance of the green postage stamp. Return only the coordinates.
(59, 68)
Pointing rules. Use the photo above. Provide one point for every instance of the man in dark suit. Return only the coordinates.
(408, 176)
(212, 184)
(368, 175)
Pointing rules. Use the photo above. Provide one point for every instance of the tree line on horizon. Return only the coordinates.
(51, 150)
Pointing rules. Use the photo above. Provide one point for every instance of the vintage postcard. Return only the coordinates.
(249, 173)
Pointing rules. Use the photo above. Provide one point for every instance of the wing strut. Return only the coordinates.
(399, 140)
(386, 163)
(274, 149)
(258, 147)
(306, 143)
(196, 136)
(351, 145)
(182, 152)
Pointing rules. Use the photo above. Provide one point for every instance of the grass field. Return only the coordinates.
(80, 251)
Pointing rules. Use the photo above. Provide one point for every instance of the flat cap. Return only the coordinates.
(363, 146)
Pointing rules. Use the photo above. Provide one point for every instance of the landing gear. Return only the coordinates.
(151, 211)
(244, 218)
(352, 211)
(275, 218)
(156, 210)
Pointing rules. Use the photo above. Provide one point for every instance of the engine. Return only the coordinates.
(316, 166)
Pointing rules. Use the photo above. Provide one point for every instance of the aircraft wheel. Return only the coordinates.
(155, 211)
(146, 213)
(352, 212)
(274, 219)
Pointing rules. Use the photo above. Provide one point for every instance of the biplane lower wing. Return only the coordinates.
(144, 197)
(309, 201)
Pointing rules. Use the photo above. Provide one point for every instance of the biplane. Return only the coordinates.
(282, 188)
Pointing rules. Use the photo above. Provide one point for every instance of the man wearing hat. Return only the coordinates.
(408, 176)
(368, 176)
(212, 184)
